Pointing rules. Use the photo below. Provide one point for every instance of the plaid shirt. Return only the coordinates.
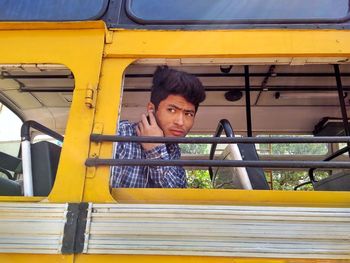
(146, 176)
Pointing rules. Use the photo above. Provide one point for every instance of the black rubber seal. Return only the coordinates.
(74, 229)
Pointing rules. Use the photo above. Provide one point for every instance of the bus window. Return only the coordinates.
(234, 11)
(286, 104)
(41, 94)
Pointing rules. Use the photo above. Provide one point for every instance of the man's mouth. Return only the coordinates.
(177, 132)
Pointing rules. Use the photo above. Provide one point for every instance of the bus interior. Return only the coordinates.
(262, 98)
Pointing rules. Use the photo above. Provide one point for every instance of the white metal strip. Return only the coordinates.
(35, 228)
(237, 231)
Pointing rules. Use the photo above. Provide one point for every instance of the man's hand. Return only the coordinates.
(145, 128)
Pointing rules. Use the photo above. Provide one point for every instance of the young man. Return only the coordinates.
(175, 97)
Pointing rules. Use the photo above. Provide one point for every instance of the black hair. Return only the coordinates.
(168, 81)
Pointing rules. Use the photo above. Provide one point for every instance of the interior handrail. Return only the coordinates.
(331, 157)
(25, 131)
(26, 152)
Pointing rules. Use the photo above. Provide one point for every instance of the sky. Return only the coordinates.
(10, 125)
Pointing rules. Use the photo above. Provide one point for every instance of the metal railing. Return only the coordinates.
(216, 163)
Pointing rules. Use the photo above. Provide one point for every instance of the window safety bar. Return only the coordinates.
(218, 140)
(216, 163)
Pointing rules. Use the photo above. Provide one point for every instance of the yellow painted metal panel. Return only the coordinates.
(29, 258)
(51, 25)
(108, 103)
(188, 259)
(21, 198)
(81, 51)
(232, 197)
(229, 43)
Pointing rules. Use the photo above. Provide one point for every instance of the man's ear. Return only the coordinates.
(150, 107)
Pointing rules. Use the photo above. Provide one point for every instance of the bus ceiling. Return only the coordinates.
(45, 91)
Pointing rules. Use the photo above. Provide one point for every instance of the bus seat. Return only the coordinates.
(337, 182)
(240, 177)
(256, 175)
(45, 157)
(9, 187)
(9, 164)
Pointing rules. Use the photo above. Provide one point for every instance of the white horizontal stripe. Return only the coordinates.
(210, 230)
(34, 228)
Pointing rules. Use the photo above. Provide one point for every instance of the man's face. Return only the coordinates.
(175, 116)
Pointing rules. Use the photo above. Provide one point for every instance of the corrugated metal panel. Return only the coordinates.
(32, 228)
(239, 231)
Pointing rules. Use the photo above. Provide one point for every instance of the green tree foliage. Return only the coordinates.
(198, 179)
(281, 180)
(195, 148)
(293, 149)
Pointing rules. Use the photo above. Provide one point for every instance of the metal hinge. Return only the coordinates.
(109, 37)
(90, 96)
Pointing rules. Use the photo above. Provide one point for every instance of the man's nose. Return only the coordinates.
(179, 120)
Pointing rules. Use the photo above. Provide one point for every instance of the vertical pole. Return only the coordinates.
(27, 168)
(342, 101)
(247, 102)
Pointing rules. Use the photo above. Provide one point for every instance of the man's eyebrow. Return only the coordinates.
(178, 108)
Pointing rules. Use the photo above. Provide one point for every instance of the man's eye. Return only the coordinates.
(190, 114)
(172, 110)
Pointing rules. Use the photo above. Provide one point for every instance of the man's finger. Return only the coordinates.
(140, 127)
(138, 132)
(152, 119)
(144, 121)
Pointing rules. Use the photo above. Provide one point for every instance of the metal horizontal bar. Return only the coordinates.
(257, 74)
(38, 75)
(254, 88)
(216, 163)
(210, 140)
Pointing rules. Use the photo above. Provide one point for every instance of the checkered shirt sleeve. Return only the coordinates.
(146, 176)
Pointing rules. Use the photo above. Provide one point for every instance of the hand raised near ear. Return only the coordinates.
(151, 128)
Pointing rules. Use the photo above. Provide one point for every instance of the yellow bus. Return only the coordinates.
(277, 78)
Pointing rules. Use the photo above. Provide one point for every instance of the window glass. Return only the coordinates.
(53, 10)
(231, 10)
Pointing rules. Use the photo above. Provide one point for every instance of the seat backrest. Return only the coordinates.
(240, 177)
(9, 187)
(45, 158)
(9, 164)
(256, 174)
(335, 182)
